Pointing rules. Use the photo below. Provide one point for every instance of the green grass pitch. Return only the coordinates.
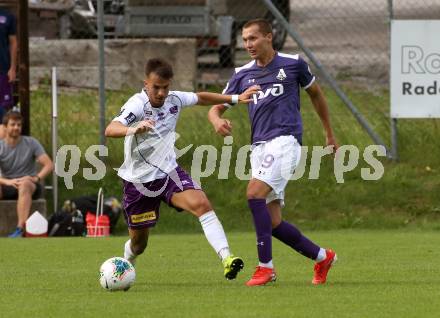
(379, 274)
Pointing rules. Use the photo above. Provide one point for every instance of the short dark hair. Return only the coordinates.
(263, 25)
(12, 114)
(160, 67)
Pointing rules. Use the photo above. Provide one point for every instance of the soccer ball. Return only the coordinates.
(116, 273)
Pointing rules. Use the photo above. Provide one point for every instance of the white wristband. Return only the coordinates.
(234, 99)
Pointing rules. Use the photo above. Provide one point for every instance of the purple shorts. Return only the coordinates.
(6, 98)
(141, 201)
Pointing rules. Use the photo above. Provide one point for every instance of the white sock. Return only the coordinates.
(224, 252)
(128, 253)
(322, 255)
(215, 234)
(267, 265)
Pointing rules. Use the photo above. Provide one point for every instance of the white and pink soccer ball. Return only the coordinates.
(116, 273)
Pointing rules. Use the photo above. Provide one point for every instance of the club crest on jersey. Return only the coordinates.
(281, 75)
(174, 110)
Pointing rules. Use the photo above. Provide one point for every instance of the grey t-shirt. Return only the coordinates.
(19, 161)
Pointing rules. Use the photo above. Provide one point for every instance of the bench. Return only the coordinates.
(8, 214)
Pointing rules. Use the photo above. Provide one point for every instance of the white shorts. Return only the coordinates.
(273, 162)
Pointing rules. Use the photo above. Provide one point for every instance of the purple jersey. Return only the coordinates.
(275, 111)
(8, 27)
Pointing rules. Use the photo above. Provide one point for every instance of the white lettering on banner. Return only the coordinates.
(276, 90)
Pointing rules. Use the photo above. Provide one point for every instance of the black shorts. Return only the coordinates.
(11, 193)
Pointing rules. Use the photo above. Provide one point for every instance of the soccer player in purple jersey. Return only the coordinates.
(150, 172)
(276, 129)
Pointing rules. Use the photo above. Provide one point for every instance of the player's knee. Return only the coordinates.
(257, 189)
(200, 206)
(203, 207)
(253, 193)
(197, 203)
(275, 223)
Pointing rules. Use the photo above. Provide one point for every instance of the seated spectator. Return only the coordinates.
(20, 179)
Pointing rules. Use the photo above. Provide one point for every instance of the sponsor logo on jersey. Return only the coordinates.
(143, 217)
(149, 112)
(160, 116)
(251, 80)
(281, 75)
(130, 118)
(174, 110)
(276, 90)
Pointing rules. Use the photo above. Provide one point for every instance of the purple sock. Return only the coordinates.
(290, 235)
(263, 228)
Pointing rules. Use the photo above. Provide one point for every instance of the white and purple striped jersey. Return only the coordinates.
(275, 111)
(150, 156)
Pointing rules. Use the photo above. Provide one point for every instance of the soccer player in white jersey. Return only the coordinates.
(150, 172)
(276, 130)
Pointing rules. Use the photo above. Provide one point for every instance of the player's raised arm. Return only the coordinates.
(206, 98)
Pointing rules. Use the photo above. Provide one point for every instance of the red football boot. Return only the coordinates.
(322, 268)
(262, 276)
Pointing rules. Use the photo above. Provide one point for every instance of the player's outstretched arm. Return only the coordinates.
(221, 125)
(206, 98)
(116, 129)
(321, 107)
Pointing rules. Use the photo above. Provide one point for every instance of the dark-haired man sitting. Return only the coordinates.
(20, 179)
